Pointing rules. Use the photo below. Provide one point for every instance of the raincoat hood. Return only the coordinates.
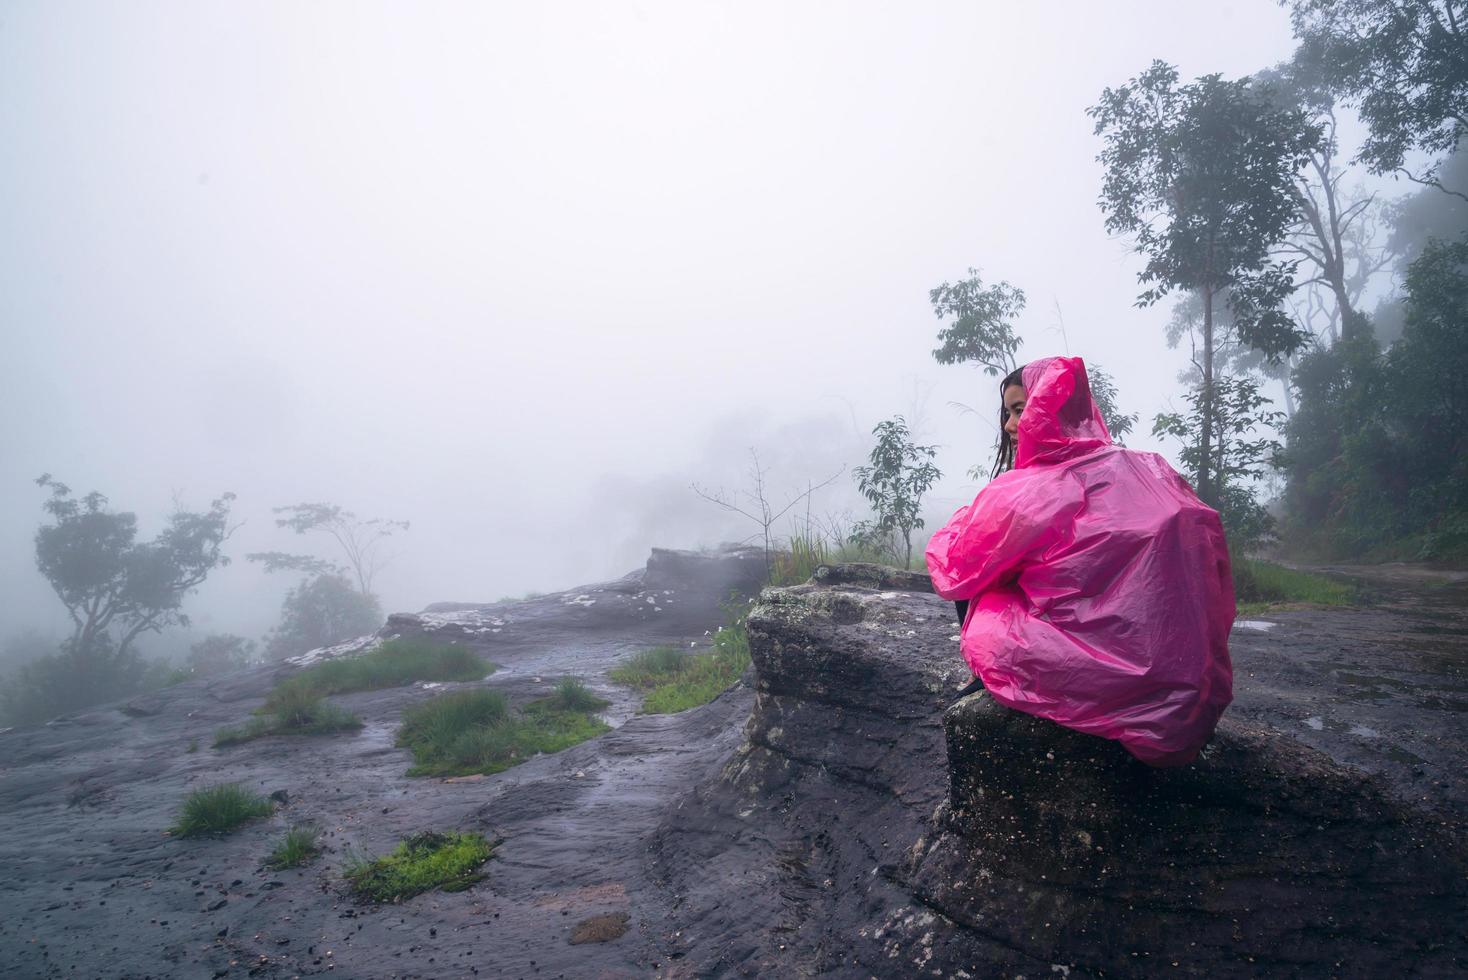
(1100, 590)
(1061, 420)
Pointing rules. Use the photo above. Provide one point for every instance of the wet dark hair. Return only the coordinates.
(1004, 459)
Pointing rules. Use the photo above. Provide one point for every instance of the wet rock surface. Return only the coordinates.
(810, 825)
(859, 850)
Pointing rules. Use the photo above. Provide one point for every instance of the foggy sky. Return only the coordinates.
(520, 273)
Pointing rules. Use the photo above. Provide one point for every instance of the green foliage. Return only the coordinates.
(572, 695)
(321, 612)
(393, 664)
(1202, 177)
(419, 864)
(295, 712)
(1237, 459)
(1378, 451)
(219, 809)
(300, 845)
(220, 653)
(475, 732)
(980, 324)
(1103, 389)
(1260, 584)
(676, 681)
(894, 484)
(116, 588)
(1400, 65)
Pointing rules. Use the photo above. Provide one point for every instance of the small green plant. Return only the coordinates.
(419, 863)
(395, 663)
(475, 732)
(219, 809)
(193, 746)
(299, 845)
(676, 681)
(572, 695)
(298, 713)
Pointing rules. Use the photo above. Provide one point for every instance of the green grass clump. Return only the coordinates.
(300, 844)
(418, 864)
(676, 681)
(395, 663)
(572, 695)
(297, 713)
(1260, 585)
(475, 732)
(219, 809)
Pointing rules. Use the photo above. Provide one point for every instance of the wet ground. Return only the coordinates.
(94, 886)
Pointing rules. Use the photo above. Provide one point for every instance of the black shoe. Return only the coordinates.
(977, 684)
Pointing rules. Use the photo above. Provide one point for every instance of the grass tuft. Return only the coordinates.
(1261, 585)
(572, 695)
(475, 732)
(219, 809)
(418, 864)
(676, 681)
(395, 663)
(299, 845)
(297, 714)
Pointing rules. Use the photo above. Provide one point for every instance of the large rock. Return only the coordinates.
(869, 826)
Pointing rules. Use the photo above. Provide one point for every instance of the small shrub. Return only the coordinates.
(650, 667)
(219, 809)
(395, 663)
(193, 746)
(418, 864)
(299, 845)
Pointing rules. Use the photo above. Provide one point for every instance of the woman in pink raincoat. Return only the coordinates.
(1098, 584)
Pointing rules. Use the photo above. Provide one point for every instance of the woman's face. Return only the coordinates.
(1014, 406)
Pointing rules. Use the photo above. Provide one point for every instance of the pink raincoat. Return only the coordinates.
(1101, 596)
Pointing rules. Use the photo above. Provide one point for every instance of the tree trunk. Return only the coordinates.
(1205, 407)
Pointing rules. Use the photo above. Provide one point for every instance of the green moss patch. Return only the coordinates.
(470, 732)
(395, 663)
(418, 864)
(219, 809)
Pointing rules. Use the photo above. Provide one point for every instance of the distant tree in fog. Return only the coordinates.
(979, 323)
(107, 579)
(219, 653)
(115, 588)
(321, 611)
(357, 539)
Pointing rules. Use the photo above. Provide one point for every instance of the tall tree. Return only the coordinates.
(1200, 176)
(1403, 65)
(108, 579)
(358, 540)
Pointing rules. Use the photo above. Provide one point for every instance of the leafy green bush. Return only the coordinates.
(219, 809)
(393, 664)
(418, 864)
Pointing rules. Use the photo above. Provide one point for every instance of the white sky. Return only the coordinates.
(520, 273)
